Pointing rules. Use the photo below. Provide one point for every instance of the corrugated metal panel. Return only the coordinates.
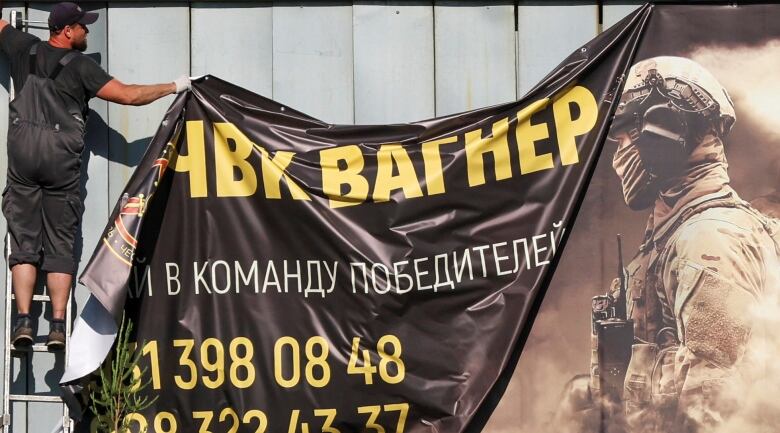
(393, 62)
(20, 382)
(95, 158)
(39, 11)
(546, 35)
(475, 55)
(615, 11)
(156, 51)
(313, 60)
(233, 41)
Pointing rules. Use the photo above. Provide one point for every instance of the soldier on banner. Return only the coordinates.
(707, 262)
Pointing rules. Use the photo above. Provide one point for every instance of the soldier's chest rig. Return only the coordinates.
(635, 324)
(646, 301)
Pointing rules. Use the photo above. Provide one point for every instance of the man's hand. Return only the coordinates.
(183, 84)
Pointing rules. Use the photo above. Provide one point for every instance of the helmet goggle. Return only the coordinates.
(672, 106)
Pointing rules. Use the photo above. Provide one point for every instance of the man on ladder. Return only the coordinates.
(54, 82)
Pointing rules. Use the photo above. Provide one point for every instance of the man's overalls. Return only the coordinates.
(41, 201)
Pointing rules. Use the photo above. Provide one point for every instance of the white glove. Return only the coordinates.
(183, 84)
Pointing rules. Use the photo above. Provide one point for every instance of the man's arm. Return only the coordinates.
(3, 22)
(13, 40)
(140, 94)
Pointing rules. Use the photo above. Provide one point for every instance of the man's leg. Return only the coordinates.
(23, 278)
(59, 291)
(61, 216)
(22, 210)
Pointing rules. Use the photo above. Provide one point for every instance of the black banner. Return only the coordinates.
(287, 275)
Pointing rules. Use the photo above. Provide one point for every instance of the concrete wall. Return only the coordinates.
(367, 62)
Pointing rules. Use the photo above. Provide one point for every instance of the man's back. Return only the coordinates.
(77, 83)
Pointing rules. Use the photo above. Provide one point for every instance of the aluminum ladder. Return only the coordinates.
(9, 350)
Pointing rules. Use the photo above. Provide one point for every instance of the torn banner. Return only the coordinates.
(291, 275)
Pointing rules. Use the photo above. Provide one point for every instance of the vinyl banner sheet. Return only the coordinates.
(288, 275)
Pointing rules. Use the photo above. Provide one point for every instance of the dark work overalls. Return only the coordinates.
(41, 201)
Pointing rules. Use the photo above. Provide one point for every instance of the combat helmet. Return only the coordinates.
(670, 98)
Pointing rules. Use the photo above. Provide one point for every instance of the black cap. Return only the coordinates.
(67, 13)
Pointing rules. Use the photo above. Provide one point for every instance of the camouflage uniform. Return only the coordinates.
(708, 259)
(693, 290)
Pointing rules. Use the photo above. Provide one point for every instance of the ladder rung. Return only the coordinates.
(37, 398)
(34, 348)
(42, 298)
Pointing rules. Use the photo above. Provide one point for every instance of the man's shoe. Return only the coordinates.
(56, 339)
(23, 331)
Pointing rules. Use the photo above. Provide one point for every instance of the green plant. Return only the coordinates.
(121, 381)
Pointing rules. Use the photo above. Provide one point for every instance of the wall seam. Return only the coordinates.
(189, 34)
(108, 113)
(435, 83)
(354, 63)
(517, 50)
(600, 19)
(271, 5)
